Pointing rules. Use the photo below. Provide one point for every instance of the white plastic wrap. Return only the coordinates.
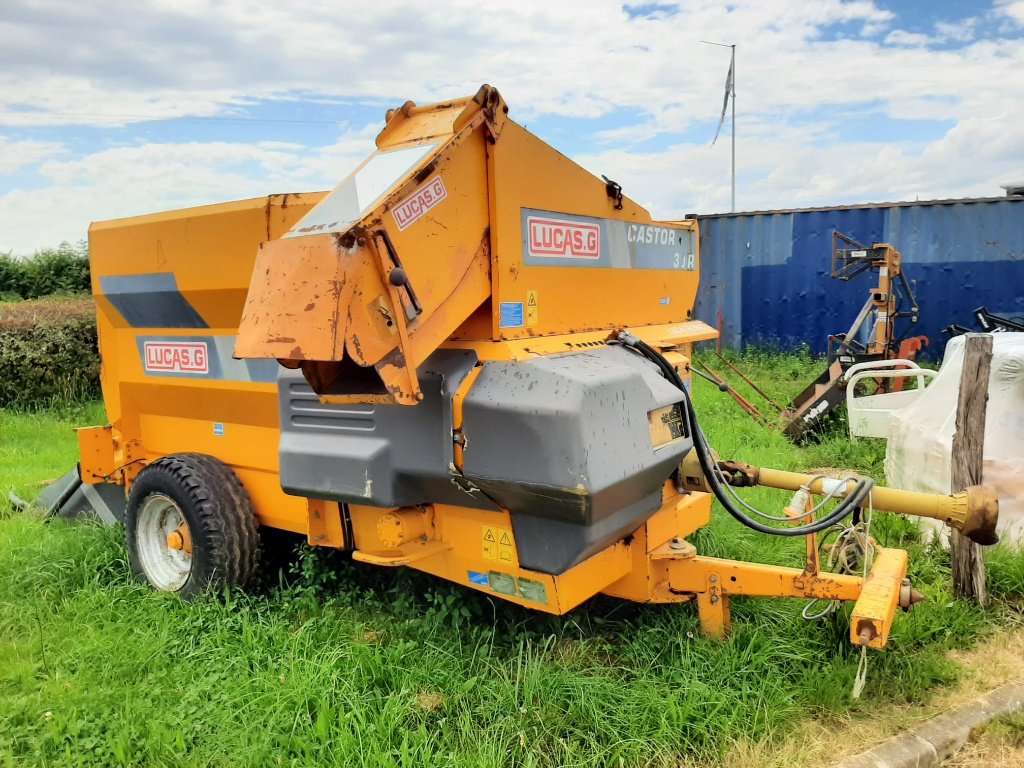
(921, 435)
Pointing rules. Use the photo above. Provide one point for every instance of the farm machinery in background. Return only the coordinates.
(879, 333)
(473, 359)
(989, 322)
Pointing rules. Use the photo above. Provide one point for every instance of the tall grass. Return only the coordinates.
(336, 663)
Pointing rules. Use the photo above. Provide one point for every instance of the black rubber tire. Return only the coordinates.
(219, 514)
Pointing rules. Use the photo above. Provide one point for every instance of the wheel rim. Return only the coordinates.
(158, 519)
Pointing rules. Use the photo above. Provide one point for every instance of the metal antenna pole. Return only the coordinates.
(730, 92)
(734, 128)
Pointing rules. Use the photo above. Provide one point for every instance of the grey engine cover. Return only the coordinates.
(562, 442)
(377, 455)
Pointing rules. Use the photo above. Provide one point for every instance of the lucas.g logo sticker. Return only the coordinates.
(562, 239)
(176, 357)
(419, 202)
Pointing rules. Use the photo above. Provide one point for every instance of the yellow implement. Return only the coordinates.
(471, 358)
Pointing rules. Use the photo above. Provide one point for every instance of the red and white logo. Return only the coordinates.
(176, 357)
(419, 202)
(561, 239)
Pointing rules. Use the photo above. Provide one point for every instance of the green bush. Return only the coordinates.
(48, 354)
(64, 269)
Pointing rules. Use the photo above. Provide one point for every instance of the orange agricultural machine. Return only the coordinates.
(471, 358)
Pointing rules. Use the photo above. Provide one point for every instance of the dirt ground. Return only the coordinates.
(988, 665)
(987, 755)
(998, 745)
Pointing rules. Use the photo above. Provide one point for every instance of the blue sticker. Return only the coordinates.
(218, 429)
(510, 314)
(477, 578)
(664, 301)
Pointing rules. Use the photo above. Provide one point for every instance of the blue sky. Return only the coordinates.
(110, 109)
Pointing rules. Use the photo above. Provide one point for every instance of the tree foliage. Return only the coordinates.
(60, 270)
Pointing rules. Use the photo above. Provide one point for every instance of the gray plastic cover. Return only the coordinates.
(563, 443)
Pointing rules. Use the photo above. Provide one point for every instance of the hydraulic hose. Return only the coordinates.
(709, 466)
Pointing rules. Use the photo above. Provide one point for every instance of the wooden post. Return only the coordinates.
(968, 453)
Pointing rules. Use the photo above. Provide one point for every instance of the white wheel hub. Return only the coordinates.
(160, 520)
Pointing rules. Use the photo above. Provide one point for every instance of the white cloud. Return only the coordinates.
(15, 155)
(909, 39)
(786, 170)
(127, 181)
(579, 57)
(959, 31)
(1014, 9)
(106, 64)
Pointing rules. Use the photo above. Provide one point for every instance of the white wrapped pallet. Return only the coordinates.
(921, 434)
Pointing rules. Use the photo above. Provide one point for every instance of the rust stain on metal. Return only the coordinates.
(395, 357)
(425, 172)
(354, 341)
(336, 288)
(348, 324)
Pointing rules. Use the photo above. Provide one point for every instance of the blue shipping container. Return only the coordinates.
(768, 272)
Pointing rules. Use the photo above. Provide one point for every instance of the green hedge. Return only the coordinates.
(64, 269)
(48, 353)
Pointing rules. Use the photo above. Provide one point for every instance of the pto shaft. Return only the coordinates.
(973, 511)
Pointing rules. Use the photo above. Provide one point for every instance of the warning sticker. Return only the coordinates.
(666, 424)
(498, 544)
(510, 314)
(531, 308)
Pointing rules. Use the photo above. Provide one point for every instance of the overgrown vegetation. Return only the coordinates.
(48, 353)
(60, 270)
(336, 663)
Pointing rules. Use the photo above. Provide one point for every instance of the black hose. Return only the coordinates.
(852, 501)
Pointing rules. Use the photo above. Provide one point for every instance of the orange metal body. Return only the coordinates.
(329, 300)
(210, 251)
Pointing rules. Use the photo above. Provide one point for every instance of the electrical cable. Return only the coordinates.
(852, 550)
(787, 518)
(862, 667)
(714, 474)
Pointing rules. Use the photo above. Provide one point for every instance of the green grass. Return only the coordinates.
(335, 663)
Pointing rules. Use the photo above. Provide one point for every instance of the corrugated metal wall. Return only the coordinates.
(769, 272)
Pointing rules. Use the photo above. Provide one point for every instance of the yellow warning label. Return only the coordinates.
(531, 308)
(498, 544)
